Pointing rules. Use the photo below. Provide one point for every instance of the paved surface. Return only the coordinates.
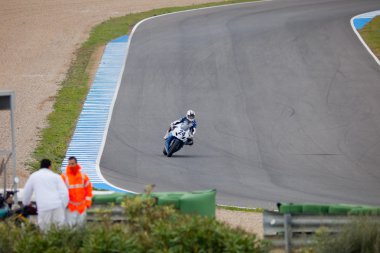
(287, 102)
(38, 40)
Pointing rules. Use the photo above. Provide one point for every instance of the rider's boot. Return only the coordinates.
(189, 141)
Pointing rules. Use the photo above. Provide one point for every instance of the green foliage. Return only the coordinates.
(201, 234)
(110, 238)
(8, 233)
(28, 238)
(141, 211)
(171, 231)
(148, 228)
(64, 240)
(362, 236)
(371, 35)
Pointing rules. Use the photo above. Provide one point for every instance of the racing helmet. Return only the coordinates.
(190, 115)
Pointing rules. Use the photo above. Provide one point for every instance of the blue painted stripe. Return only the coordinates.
(359, 23)
(106, 187)
(88, 136)
(121, 39)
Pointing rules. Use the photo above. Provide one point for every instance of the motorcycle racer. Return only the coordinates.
(188, 119)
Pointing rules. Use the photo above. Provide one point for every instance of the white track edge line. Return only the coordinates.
(361, 39)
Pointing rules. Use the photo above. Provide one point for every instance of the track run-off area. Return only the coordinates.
(286, 97)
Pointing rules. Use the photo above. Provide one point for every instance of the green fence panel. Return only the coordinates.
(120, 199)
(315, 209)
(116, 198)
(328, 209)
(291, 208)
(341, 209)
(168, 198)
(199, 202)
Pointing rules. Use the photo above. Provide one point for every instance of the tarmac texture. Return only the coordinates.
(286, 97)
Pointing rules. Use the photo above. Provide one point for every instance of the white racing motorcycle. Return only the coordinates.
(181, 135)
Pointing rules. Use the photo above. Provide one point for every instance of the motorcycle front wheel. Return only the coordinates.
(174, 147)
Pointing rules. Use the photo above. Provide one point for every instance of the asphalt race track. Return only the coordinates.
(286, 96)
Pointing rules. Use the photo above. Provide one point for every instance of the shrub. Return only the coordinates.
(171, 231)
(200, 234)
(8, 234)
(148, 228)
(114, 238)
(361, 236)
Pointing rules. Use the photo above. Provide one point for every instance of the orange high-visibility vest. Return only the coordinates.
(80, 189)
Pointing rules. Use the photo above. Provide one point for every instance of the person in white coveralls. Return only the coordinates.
(51, 196)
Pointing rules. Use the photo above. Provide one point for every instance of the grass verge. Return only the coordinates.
(360, 235)
(55, 138)
(371, 35)
(241, 209)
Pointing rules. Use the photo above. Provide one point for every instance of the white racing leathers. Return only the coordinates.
(51, 196)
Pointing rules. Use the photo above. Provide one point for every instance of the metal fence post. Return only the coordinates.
(7, 103)
(288, 232)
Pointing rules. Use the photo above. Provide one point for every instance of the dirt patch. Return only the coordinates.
(248, 221)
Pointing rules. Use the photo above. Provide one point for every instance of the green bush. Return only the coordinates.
(8, 234)
(148, 228)
(114, 238)
(360, 236)
(200, 234)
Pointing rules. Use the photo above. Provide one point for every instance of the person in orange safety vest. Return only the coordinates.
(80, 193)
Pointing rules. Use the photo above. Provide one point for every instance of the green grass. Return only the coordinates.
(55, 138)
(241, 209)
(361, 235)
(371, 35)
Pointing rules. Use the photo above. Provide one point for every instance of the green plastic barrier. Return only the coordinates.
(168, 198)
(116, 198)
(199, 202)
(291, 208)
(315, 209)
(341, 209)
(120, 199)
(324, 209)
